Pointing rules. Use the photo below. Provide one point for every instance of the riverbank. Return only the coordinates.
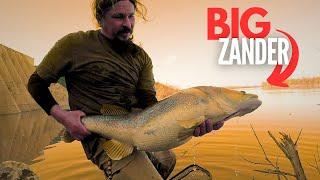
(299, 83)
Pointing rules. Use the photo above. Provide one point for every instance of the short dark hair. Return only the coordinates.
(100, 7)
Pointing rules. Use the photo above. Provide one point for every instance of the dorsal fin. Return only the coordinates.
(113, 110)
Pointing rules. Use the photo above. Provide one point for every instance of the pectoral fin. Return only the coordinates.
(191, 123)
(117, 150)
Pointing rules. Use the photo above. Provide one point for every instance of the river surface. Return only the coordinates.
(33, 138)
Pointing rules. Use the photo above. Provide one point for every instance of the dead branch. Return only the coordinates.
(272, 171)
(317, 165)
(276, 169)
(288, 147)
(264, 152)
(295, 143)
(254, 162)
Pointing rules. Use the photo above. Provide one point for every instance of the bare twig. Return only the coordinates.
(317, 165)
(186, 151)
(276, 169)
(264, 152)
(316, 160)
(288, 147)
(254, 162)
(318, 151)
(295, 143)
(272, 171)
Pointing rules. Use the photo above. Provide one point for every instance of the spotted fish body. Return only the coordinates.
(171, 122)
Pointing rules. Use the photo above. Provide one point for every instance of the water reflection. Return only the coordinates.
(23, 136)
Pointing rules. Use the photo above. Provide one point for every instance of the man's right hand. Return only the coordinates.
(71, 120)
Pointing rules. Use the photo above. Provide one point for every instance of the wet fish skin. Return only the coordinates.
(171, 122)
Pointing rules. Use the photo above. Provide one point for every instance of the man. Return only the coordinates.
(104, 67)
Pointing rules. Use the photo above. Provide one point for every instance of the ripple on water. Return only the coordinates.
(24, 137)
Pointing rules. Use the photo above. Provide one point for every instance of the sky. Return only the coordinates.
(175, 35)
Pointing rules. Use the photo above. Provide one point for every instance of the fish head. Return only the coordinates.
(224, 103)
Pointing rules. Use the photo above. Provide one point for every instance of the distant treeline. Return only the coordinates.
(300, 83)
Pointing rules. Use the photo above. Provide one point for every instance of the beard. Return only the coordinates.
(124, 47)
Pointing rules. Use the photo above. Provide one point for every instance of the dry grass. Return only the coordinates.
(301, 83)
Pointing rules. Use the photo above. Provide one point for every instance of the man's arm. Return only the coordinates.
(58, 62)
(39, 90)
(146, 98)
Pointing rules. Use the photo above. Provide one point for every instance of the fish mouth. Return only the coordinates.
(229, 116)
(244, 108)
(249, 105)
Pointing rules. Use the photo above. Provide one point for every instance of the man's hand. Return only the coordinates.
(207, 127)
(72, 121)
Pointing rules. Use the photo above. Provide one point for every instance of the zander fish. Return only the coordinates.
(170, 122)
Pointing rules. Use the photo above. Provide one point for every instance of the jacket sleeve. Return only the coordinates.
(39, 90)
(55, 64)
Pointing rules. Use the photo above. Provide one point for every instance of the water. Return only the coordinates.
(33, 138)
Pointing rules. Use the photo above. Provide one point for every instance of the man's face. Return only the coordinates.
(119, 21)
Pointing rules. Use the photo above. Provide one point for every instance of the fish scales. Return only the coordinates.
(116, 127)
(170, 122)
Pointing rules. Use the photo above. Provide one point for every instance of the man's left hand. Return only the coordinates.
(207, 127)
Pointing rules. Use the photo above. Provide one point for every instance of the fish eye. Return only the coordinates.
(243, 92)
